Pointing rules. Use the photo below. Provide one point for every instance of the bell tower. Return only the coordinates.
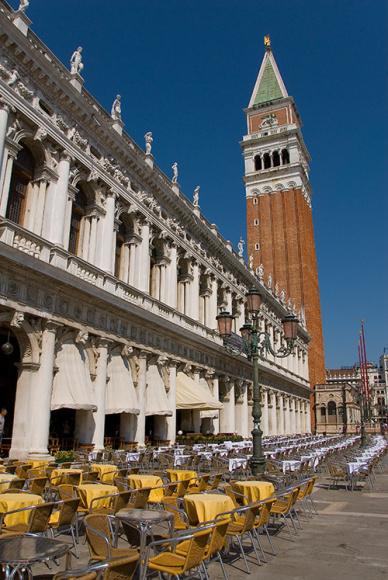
(280, 233)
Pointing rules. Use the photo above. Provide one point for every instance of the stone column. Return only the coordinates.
(281, 429)
(287, 422)
(272, 417)
(22, 418)
(213, 303)
(55, 211)
(100, 391)
(5, 180)
(292, 416)
(242, 411)
(216, 395)
(297, 416)
(194, 307)
(143, 262)
(40, 403)
(106, 258)
(140, 390)
(171, 421)
(227, 421)
(195, 413)
(264, 410)
(172, 278)
(308, 417)
(4, 113)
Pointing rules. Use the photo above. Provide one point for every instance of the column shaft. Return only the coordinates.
(100, 391)
(40, 404)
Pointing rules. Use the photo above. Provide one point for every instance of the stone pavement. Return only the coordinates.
(348, 540)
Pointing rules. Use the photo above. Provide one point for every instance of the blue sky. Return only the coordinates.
(185, 70)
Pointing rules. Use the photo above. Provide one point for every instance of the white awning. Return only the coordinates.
(72, 386)
(192, 395)
(156, 402)
(120, 391)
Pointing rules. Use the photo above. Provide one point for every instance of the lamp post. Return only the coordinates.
(256, 344)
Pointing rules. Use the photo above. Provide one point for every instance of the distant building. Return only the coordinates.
(336, 408)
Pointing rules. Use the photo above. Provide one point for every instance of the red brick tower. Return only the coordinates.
(280, 228)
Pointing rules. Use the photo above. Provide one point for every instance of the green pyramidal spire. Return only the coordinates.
(269, 84)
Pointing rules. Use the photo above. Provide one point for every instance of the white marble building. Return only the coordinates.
(111, 279)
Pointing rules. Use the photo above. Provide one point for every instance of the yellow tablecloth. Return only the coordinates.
(89, 491)
(254, 490)
(106, 473)
(139, 481)
(40, 462)
(56, 474)
(15, 501)
(202, 507)
(5, 481)
(182, 475)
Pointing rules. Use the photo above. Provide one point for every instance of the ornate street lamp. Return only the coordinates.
(256, 344)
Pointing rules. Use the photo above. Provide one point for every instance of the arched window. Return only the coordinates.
(285, 157)
(22, 176)
(255, 201)
(331, 408)
(267, 161)
(258, 163)
(77, 214)
(276, 159)
(323, 411)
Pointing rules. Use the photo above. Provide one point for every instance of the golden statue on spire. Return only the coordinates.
(267, 41)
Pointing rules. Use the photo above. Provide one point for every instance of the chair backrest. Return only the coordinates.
(71, 478)
(18, 483)
(183, 487)
(37, 485)
(36, 472)
(216, 481)
(170, 488)
(310, 486)
(68, 512)
(140, 497)
(66, 491)
(218, 536)
(21, 470)
(197, 548)
(98, 535)
(121, 500)
(264, 513)
(39, 519)
(249, 514)
(170, 504)
(90, 476)
(228, 489)
(204, 482)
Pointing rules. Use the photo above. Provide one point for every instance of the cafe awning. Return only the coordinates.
(193, 395)
(156, 402)
(72, 386)
(120, 391)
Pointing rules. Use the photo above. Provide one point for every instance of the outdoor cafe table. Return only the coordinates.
(203, 507)
(182, 475)
(138, 481)
(89, 491)
(15, 501)
(254, 490)
(106, 472)
(57, 474)
(18, 553)
(144, 520)
(6, 480)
